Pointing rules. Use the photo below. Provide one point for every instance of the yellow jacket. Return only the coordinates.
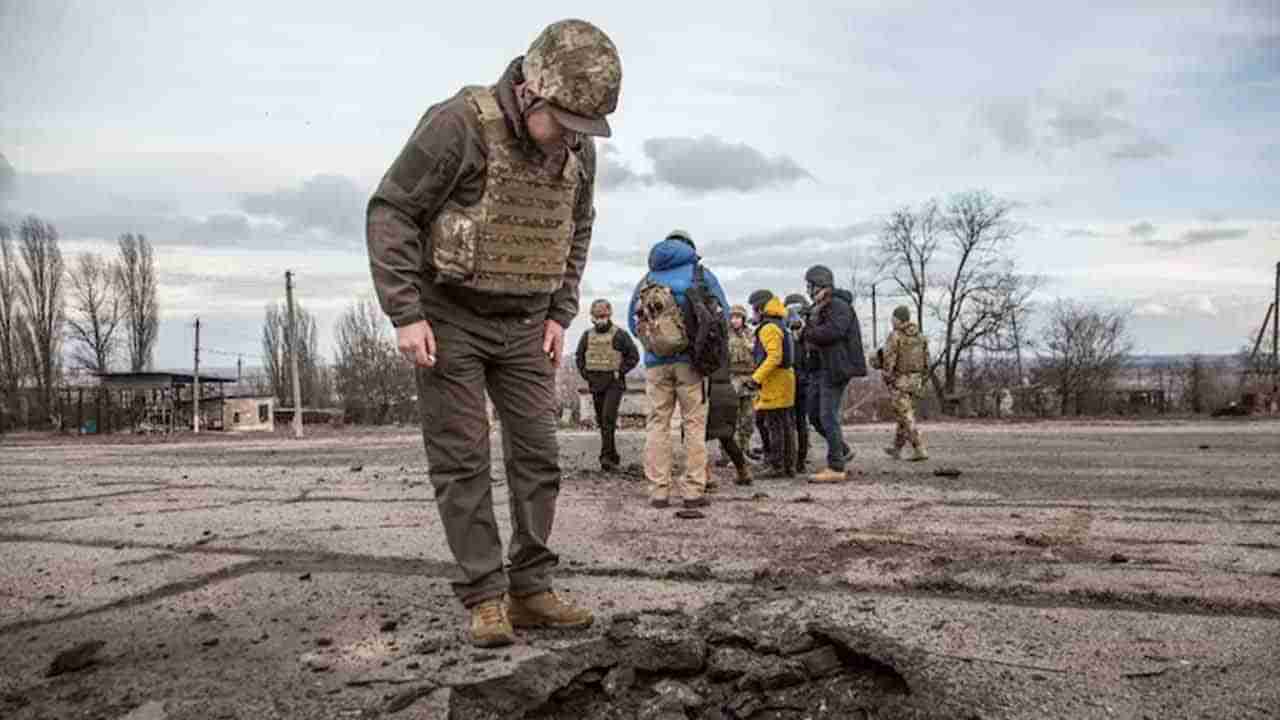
(777, 384)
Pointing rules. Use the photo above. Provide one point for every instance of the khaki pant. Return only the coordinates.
(668, 385)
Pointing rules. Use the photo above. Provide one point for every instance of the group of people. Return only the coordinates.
(478, 236)
(786, 366)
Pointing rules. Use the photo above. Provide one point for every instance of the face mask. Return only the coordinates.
(602, 325)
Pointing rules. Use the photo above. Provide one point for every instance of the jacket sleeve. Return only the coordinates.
(631, 307)
(623, 343)
(771, 337)
(564, 302)
(406, 201)
(857, 356)
(581, 355)
(835, 329)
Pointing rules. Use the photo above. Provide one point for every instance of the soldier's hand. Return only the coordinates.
(417, 343)
(553, 341)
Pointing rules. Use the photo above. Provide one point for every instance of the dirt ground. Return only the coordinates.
(1071, 570)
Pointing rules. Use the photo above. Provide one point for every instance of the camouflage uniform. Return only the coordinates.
(904, 361)
(741, 366)
(479, 231)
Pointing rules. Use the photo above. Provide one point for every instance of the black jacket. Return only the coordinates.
(836, 336)
(600, 381)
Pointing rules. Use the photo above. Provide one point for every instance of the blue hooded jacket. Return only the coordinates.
(671, 263)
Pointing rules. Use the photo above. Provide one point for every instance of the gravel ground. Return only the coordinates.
(1070, 570)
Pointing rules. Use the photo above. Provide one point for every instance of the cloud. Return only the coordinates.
(707, 164)
(1145, 149)
(1193, 238)
(334, 203)
(1142, 230)
(1010, 120)
(1078, 122)
(1082, 233)
(613, 174)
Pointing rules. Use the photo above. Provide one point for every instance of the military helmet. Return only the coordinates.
(759, 298)
(902, 313)
(796, 299)
(575, 67)
(683, 236)
(601, 302)
(820, 276)
(740, 311)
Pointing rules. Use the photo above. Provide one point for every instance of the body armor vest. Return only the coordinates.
(741, 359)
(601, 357)
(516, 239)
(911, 354)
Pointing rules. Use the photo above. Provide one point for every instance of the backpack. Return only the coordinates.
(710, 351)
(660, 322)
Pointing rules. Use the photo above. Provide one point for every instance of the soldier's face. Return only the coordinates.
(737, 321)
(543, 127)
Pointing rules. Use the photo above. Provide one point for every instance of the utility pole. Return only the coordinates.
(1017, 345)
(293, 356)
(1275, 333)
(875, 320)
(195, 384)
(239, 367)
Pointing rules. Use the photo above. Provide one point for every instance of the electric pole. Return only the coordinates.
(195, 383)
(875, 320)
(293, 356)
(1275, 333)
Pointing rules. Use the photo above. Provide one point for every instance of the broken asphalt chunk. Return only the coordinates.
(947, 472)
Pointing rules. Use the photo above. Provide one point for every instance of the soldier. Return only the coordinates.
(605, 355)
(903, 363)
(741, 366)
(477, 238)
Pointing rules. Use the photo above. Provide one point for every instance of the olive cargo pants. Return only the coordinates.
(507, 360)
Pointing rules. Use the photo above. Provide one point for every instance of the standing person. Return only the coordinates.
(741, 365)
(774, 352)
(477, 238)
(797, 312)
(904, 362)
(605, 355)
(657, 316)
(835, 334)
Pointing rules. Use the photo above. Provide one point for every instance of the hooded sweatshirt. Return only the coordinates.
(777, 383)
(671, 263)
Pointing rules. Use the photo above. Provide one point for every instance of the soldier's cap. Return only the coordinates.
(574, 66)
(902, 313)
(759, 298)
(738, 310)
(597, 126)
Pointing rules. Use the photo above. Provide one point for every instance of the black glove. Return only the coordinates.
(752, 385)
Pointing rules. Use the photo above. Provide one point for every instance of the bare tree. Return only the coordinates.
(138, 286)
(908, 243)
(41, 293)
(96, 312)
(1087, 347)
(276, 348)
(371, 377)
(13, 360)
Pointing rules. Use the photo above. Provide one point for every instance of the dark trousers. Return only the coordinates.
(729, 445)
(764, 433)
(801, 413)
(780, 431)
(507, 361)
(606, 403)
(830, 399)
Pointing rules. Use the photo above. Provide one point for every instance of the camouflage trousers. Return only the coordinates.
(746, 414)
(903, 392)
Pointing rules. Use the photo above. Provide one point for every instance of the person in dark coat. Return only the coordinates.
(835, 334)
(606, 353)
(797, 312)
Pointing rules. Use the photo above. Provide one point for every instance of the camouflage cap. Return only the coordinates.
(575, 67)
(739, 310)
(902, 313)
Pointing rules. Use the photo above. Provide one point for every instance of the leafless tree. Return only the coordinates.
(138, 287)
(371, 377)
(97, 309)
(13, 360)
(907, 248)
(41, 293)
(1086, 349)
(276, 348)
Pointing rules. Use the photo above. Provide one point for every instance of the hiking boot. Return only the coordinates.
(660, 503)
(546, 610)
(774, 473)
(608, 466)
(490, 625)
(698, 502)
(744, 476)
(919, 455)
(848, 452)
(893, 452)
(829, 475)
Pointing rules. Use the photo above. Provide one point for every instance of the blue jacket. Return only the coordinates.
(671, 263)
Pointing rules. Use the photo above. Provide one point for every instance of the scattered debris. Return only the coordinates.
(315, 662)
(357, 468)
(1119, 558)
(947, 472)
(75, 659)
(153, 710)
(211, 642)
(1205, 447)
(804, 499)
(324, 642)
(409, 696)
(689, 514)
(304, 577)
(389, 626)
(760, 496)
(205, 615)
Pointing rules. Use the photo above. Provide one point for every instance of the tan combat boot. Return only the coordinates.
(490, 626)
(920, 454)
(829, 475)
(893, 452)
(744, 476)
(545, 610)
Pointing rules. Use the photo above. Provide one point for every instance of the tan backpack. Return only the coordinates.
(660, 321)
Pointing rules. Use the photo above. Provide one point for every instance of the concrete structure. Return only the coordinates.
(251, 413)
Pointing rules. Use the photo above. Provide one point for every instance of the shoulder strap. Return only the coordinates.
(485, 103)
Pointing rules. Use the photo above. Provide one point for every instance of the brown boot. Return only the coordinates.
(894, 452)
(920, 454)
(829, 475)
(546, 610)
(744, 476)
(490, 626)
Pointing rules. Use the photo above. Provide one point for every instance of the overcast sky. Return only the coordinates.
(243, 138)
